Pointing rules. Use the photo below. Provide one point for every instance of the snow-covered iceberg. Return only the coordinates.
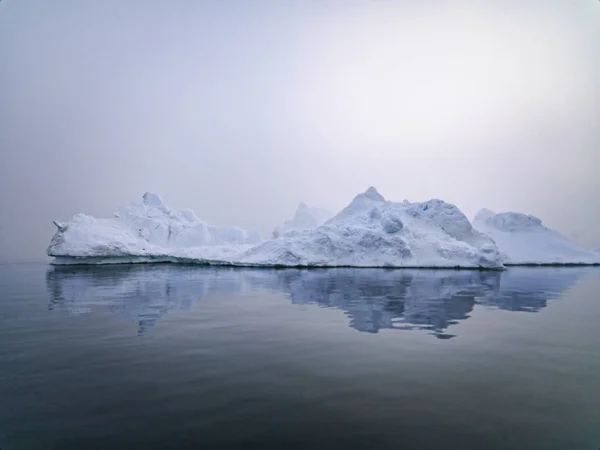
(305, 217)
(523, 239)
(373, 232)
(369, 232)
(145, 231)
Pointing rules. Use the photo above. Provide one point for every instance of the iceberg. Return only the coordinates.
(373, 232)
(369, 232)
(524, 240)
(305, 217)
(143, 232)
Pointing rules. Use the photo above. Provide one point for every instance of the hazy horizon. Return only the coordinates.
(240, 111)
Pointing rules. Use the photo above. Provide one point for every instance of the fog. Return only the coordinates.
(240, 110)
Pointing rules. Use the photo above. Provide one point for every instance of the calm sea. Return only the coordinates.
(164, 356)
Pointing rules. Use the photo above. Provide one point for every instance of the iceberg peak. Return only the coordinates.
(362, 202)
(61, 226)
(305, 217)
(484, 214)
(152, 199)
(373, 194)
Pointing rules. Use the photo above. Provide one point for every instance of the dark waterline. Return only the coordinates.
(162, 356)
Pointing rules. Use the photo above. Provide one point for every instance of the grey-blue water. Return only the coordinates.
(163, 356)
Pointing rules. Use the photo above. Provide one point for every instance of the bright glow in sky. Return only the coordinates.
(435, 75)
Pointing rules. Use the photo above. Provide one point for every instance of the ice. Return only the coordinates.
(373, 232)
(369, 232)
(305, 217)
(523, 239)
(144, 231)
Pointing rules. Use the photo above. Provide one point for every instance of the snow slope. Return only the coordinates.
(523, 239)
(305, 217)
(144, 231)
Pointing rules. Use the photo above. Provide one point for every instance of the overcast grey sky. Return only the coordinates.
(241, 109)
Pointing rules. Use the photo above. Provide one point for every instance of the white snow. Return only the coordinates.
(305, 217)
(369, 232)
(523, 239)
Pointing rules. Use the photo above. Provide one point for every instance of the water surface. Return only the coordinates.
(164, 356)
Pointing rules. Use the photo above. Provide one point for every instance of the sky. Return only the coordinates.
(240, 110)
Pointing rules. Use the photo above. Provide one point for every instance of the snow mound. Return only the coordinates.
(304, 218)
(523, 239)
(142, 229)
(373, 232)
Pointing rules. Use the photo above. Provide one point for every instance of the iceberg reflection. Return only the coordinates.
(373, 299)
